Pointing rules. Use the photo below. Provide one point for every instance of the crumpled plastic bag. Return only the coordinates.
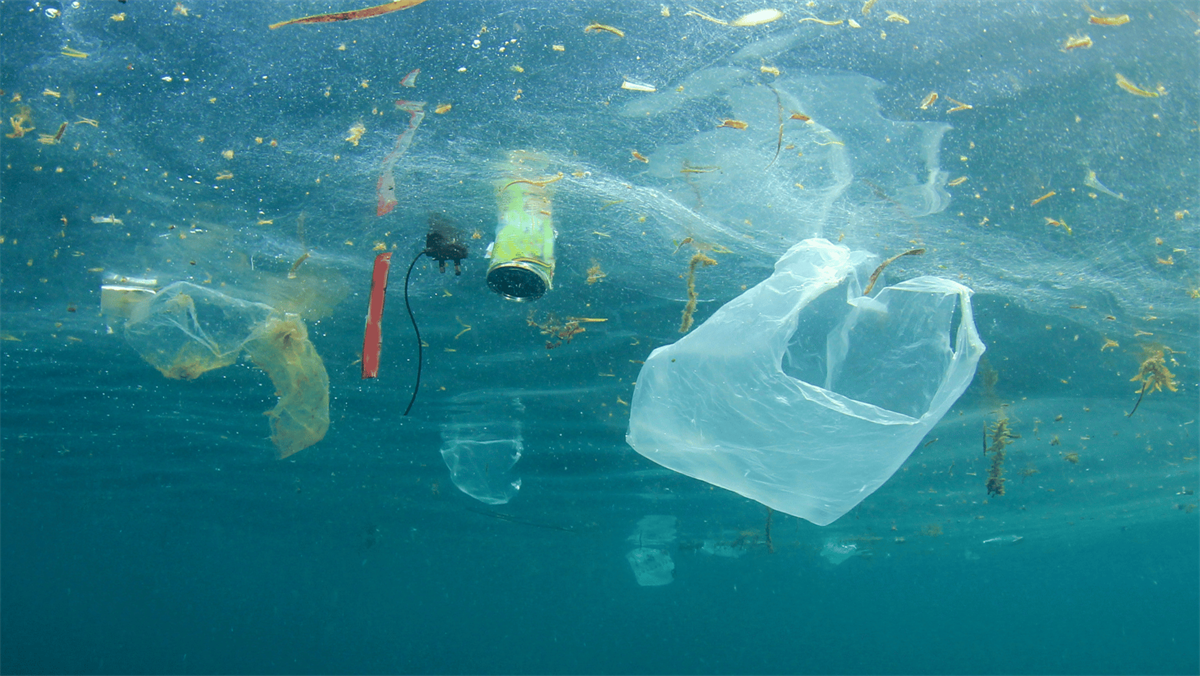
(482, 447)
(480, 462)
(301, 417)
(804, 398)
(185, 330)
(651, 560)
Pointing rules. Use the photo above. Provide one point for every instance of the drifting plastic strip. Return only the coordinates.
(353, 15)
(385, 188)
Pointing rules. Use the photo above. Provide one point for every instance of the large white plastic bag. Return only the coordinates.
(806, 402)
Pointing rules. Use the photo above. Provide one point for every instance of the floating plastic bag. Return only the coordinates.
(837, 552)
(480, 451)
(800, 397)
(651, 567)
(185, 330)
(651, 561)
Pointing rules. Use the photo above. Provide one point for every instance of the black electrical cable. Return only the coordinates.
(420, 359)
(442, 244)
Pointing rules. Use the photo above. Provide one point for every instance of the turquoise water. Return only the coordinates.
(148, 525)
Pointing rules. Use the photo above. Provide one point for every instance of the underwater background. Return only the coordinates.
(148, 523)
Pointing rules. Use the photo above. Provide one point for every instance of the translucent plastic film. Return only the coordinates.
(301, 417)
(794, 397)
(186, 330)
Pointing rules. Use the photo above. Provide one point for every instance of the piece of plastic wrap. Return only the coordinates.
(792, 396)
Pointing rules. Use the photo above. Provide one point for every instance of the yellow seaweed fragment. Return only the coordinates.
(73, 53)
(875, 275)
(958, 105)
(356, 133)
(1042, 198)
(896, 18)
(594, 273)
(1153, 375)
(24, 114)
(1059, 223)
(466, 327)
(1077, 42)
(296, 266)
(929, 100)
(443, 108)
(1098, 19)
(822, 21)
(540, 183)
(699, 259)
(1128, 86)
(53, 139)
(597, 27)
(701, 15)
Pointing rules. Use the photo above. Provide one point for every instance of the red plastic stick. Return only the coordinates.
(372, 336)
